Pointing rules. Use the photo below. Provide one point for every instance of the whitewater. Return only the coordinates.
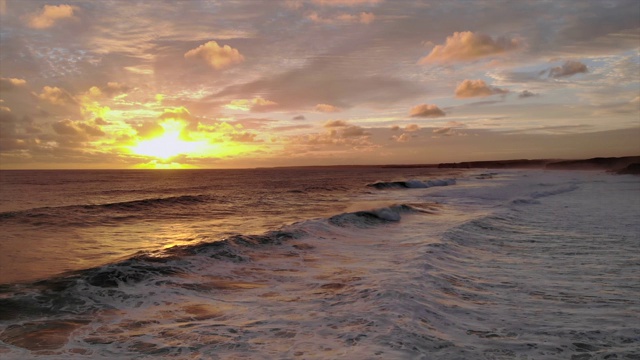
(320, 263)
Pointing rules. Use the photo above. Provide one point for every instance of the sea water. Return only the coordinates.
(324, 263)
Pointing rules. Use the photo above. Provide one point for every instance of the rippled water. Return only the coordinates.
(507, 265)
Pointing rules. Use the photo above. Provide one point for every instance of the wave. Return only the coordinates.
(532, 199)
(376, 216)
(101, 214)
(96, 289)
(558, 191)
(412, 184)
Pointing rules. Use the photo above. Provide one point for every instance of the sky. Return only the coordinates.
(242, 83)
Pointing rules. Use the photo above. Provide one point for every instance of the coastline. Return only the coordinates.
(618, 165)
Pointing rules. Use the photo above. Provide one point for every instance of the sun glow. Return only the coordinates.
(170, 143)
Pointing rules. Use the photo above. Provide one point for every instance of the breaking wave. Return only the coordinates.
(412, 184)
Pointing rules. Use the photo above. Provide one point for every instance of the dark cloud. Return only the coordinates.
(569, 68)
(526, 94)
(354, 131)
(76, 128)
(299, 117)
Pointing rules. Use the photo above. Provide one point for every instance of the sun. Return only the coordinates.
(169, 144)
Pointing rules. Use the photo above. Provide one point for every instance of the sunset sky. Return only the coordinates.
(239, 83)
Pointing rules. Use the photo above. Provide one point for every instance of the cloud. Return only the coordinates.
(401, 138)
(215, 56)
(449, 129)
(367, 17)
(115, 88)
(426, 110)
(526, 94)
(466, 46)
(256, 104)
(569, 68)
(149, 129)
(110, 90)
(354, 131)
(56, 96)
(100, 121)
(244, 137)
(476, 88)
(445, 131)
(299, 117)
(346, 2)
(76, 128)
(321, 82)
(335, 123)
(412, 128)
(362, 18)
(49, 15)
(7, 84)
(326, 108)
(342, 135)
(395, 127)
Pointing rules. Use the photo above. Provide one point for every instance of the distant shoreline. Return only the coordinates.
(618, 165)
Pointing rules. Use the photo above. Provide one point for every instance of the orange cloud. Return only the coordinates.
(49, 15)
(56, 96)
(215, 56)
(326, 108)
(426, 110)
(11, 83)
(335, 123)
(412, 128)
(401, 138)
(465, 46)
(476, 88)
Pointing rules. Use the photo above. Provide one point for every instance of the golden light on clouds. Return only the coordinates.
(314, 82)
(49, 15)
(169, 144)
(467, 45)
(216, 56)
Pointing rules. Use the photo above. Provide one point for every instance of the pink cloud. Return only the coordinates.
(476, 88)
(465, 46)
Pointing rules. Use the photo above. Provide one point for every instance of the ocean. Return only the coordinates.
(319, 263)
